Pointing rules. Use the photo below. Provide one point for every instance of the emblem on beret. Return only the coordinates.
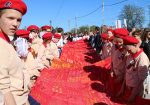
(8, 4)
(32, 28)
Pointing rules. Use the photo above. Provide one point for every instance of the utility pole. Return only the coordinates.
(89, 26)
(61, 23)
(69, 22)
(112, 22)
(103, 12)
(25, 27)
(149, 16)
(76, 24)
(51, 24)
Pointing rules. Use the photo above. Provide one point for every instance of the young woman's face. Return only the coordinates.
(119, 42)
(148, 35)
(34, 34)
(10, 21)
(109, 34)
(137, 36)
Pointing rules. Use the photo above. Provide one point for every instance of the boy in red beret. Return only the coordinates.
(118, 55)
(36, 42)
(45, 29)
(52, 50)
(136, 69)
(104, 39)
(47, 37)
(12, 83)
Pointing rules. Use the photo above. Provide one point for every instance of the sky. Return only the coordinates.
(40, 12)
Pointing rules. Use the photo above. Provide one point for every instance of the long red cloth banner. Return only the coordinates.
(80, 78)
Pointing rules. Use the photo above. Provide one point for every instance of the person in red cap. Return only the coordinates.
(47, 37)
(12, 84)
(60, 42)
(110, 33)
(36, 42)
(45, 29)
(118, 55)
(52, 49)
(136, 69)
(104, 39)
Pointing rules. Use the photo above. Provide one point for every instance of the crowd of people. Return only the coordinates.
(25, 53)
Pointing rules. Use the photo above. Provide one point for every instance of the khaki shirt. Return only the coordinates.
(52, 52)
(36, 43)
(11, 73)
(118, 60)
(140, 72)
(32, 67)
(106, 51)
(42, 56)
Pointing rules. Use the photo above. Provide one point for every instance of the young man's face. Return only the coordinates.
(131, 48)
(119, 42)
(10, 21)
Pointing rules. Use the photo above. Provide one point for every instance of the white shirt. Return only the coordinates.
(60, 43)
(84, 37)
(75, 39)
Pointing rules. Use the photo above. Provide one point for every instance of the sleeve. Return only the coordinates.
(55, 52)
(4, 72)
(143, 67)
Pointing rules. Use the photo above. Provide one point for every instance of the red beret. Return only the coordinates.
(32, 27)
(111, 38)
(23, 33)
(57, 36)
(14, 4)
(121, 32)
(46, 27)
(47, 36)
(104, 35)
(130, 40)
(110, 30)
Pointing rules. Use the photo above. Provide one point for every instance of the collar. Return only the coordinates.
(120, 49)
(4, 37)
(29, 50)
(44, 45)
(137, 54)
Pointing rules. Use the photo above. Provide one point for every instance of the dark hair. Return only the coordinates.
(138, 32)
(43, 29)
(144, 37)
(45, 40)
(85, 32)
(97, 28)
(34, 31)
(144, 33)
(60, 30)
(65, 33)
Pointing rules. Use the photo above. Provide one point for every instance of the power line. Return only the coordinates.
(59, 8)
(101, 7)
(116, 3)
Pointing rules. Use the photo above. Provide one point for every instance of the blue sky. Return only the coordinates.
(40, 12)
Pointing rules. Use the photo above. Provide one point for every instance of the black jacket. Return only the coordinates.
(98, 42)
(146, 48)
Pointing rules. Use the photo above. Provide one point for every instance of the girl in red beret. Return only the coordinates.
(47, 37)
(136, 69)
(118, 56)
(104, 39)
(12, 82)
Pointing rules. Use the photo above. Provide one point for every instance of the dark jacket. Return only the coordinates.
(98, 43)
(146, 48)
